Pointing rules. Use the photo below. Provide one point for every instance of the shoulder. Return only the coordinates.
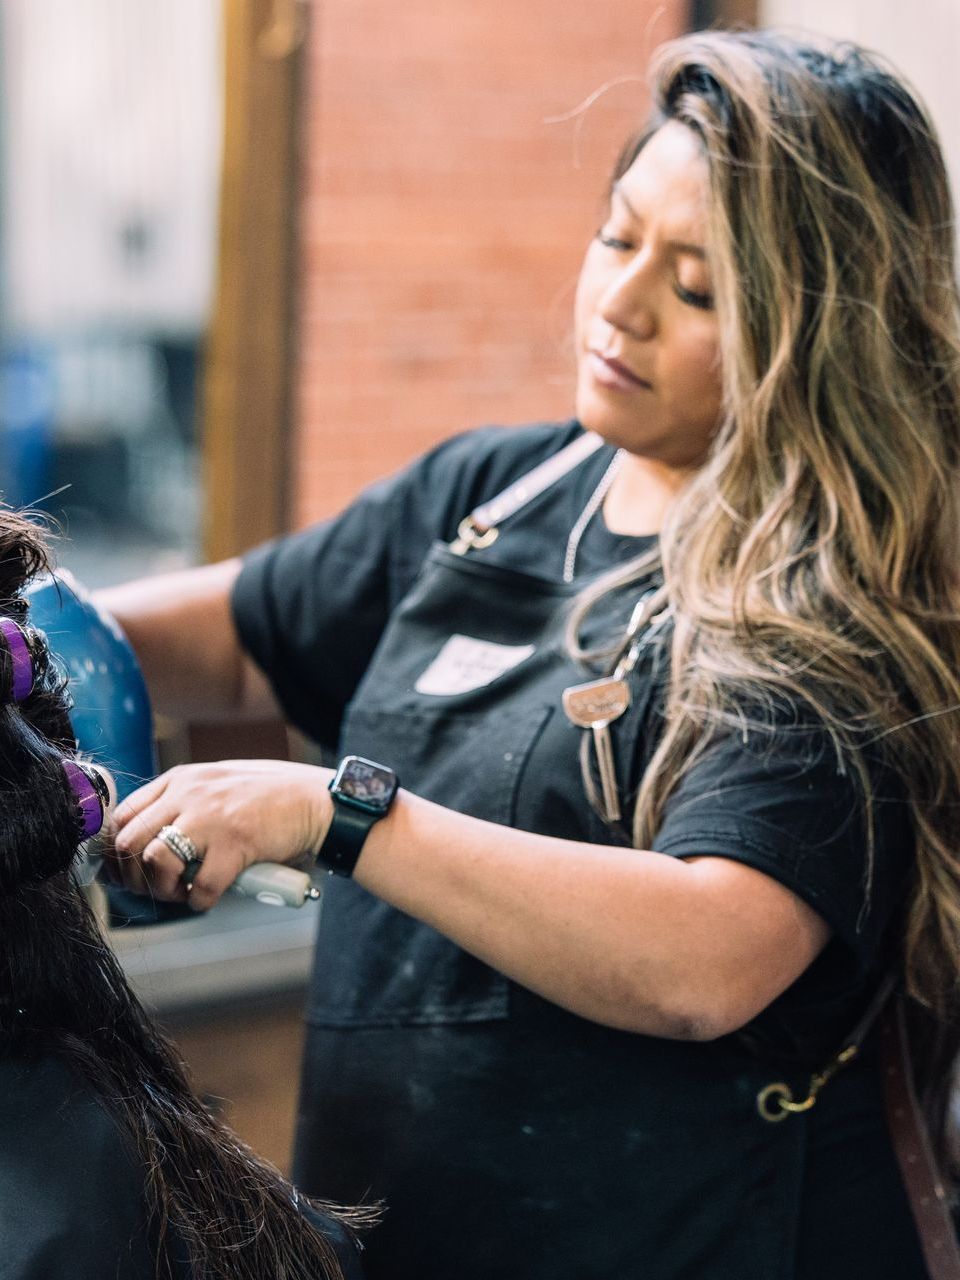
(436, 490)
(71, 1187)
(477, 464)
(390, 526)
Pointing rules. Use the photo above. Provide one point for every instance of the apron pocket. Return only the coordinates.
(376, 966)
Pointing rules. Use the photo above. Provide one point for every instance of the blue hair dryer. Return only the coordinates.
(113, 724)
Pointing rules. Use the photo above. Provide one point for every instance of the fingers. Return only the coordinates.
(234, 812)
(168, 872)
(201, 855)
(199, 874)
(199, 879)
(138, 800)
(133, 833)
(146, 863)
(208, 885)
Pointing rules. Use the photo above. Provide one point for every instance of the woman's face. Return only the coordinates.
(648, 356)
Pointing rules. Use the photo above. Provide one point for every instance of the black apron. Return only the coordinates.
(508, 1137)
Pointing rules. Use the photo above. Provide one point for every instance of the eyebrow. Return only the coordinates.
(680, 246)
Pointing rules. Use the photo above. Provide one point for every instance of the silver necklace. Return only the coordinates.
(587, 514)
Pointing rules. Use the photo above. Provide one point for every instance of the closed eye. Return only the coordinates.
(703, 301)
(613, 242)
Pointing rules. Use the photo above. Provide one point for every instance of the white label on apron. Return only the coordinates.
(464, 664)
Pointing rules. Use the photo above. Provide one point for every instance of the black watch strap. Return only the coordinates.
(343, 843)
(362, 793)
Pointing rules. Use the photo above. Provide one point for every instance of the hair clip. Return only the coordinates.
(21, 659)
(91, 793)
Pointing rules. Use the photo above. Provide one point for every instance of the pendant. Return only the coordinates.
(595, 706)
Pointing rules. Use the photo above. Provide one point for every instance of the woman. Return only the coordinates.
(109, 1164)
(677, 731)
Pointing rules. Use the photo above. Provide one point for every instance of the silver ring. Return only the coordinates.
(179, 843)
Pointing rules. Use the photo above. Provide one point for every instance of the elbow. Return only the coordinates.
(670, 1024)
(717, 1019)
(698, 1026)
(699, 1012)
(712, 1011)
(708, 1026)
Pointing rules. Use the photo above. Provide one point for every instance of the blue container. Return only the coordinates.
(111, 715)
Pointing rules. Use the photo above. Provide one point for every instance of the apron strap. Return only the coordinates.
(922, 1180)
(480, 528)
(911, 1142)
(775, 1102)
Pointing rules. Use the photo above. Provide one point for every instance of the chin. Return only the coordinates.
(616, 429)
(671, 446)
(611, 427)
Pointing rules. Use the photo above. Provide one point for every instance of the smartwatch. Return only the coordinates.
(362, 792)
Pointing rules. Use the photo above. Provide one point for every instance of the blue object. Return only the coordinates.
(113, 725)
(111, 714)
(111, 717)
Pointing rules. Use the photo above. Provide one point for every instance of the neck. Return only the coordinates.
(641, 494)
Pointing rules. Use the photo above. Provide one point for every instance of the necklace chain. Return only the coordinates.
(587, 514)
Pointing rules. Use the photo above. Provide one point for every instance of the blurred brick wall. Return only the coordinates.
(444, 218)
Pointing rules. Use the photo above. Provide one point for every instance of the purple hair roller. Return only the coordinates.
(87, 797)
(21, 659)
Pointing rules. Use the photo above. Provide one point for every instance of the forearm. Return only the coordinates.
(182, 632)
(632, 939)
(686, 949)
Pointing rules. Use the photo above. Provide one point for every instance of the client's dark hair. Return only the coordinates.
(63, 992)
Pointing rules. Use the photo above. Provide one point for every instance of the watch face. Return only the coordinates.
(367, 783)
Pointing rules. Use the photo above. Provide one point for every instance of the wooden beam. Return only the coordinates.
(248, 367)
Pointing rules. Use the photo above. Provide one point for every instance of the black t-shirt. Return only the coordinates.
(311, 608)
(72, 1193)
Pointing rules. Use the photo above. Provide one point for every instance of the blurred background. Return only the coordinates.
(256, 253)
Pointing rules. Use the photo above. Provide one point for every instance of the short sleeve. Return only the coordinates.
(310, 608)
(781, 801)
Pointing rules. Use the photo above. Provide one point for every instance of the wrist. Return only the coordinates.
(362, 793)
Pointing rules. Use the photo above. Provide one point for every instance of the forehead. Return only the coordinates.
(667, 184)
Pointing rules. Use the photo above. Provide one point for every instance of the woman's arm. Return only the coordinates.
(182, 631)
(685, 948)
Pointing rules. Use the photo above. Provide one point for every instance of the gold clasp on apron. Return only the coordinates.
(775, 1101)
(470, 537)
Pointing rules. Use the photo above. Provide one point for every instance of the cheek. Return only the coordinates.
(696, 369)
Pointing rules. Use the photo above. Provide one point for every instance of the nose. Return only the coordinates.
(627, 303)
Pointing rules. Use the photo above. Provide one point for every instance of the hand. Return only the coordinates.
(236, 812)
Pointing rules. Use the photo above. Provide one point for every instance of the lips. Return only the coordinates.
(611, 372)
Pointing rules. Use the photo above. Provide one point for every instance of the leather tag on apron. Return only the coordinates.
(465, 663)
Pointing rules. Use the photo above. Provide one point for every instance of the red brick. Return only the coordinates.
(444, 219)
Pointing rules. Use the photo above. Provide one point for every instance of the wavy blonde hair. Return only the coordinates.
(815, 554)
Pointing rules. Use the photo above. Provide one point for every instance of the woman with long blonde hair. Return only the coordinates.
(676, 719)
